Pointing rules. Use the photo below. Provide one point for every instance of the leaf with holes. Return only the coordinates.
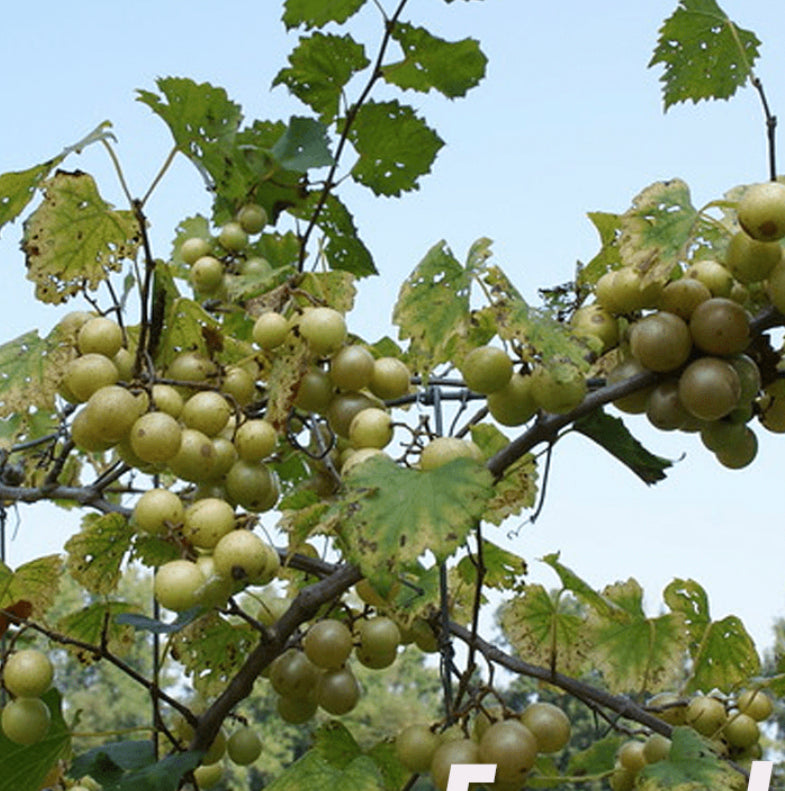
(74, 239)
(36, 583)
(705, 55)
(317, 13)
(320, 66)
(302, 146)
(395, 147)
(450, 67)
(391, 515)
(95, 554)
(547, 629)
(31, 369)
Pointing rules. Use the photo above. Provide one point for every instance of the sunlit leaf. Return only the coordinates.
(503, 570)
(74, 239)
(395, 147)
(96, 552)
(450, 67)
(705, 55)
(319, 68)
(36, 582)
(609, 228)
(317, 13)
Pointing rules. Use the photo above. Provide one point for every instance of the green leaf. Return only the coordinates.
(17, 188)
(722, 653)
(98, 623)
(608, 226)
(317, 13)
(31, 369)
(582, 590)
(504, 570)
(212, 650)
(74, 239)
(392, 515)
(344, 249)
(320, 66)
(451, 67)
(546, 630)
(611, 434)
(36, 582)
(636, 653)
(96, 553)
(303, 145)
(662, 228)
(705, 55)
(432, 308)
(335, 761)
(596, 759)
(690, 765)
(395, 147)
(26, 767)
(131, 765)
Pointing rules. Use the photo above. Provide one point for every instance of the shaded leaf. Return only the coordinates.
(597, 758)
(317, 13)
(395, 147)
(608, 226)
(98, 623)
(142, 623)
(690, 765)
(154, 551)
(392, 515)
(95, 554)
(704, 54)
(27, 767)
(611, 434)
(451, 67)
(303, 145)
(74, 239)
(36, 583)
(546, 630)
(319, 68)
(31, 369)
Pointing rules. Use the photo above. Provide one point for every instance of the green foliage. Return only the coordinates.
(612, 435)
(450, 67)
(99, 623)
(74, 239)
(36, 582)
(704, 53)
(27, 767)
(96, 553)
(317, 13)
(302, 146)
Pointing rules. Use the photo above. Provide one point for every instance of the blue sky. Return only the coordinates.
(568, 120)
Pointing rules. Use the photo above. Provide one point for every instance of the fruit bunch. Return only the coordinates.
(27, 675)
(511, 742)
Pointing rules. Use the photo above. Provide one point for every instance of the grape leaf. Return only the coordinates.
(546, 630)
(395, 147)
(320, 66)
(303, 145)
(704, 54)
(608, 226)
(611, 434)
(504, 570)
(27, 767)
(392, 515)
(317, 13)
(534, 328)
(98, 623)
(17, 188)
(344, 249)
(335, 289)
(335, 761)
(96, 553)
(154, 551)
(29, 424)
(690, 765)
(31, 369)
(432, 306)
(636, 653)
(73, 240)
(662, 228)
(212, 650)
(451, 67)
(722, 652)
(597, 758)
(582, 590)
(36, 582)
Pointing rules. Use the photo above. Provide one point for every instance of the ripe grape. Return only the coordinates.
(328, 643)
(156, 510)
(242, 555)
(99, 335)
(324, 329)
(390, 378)
(415, 746)
(244, 746)
(549, 725)
(206, 521)
(176, 585)
(338, 691)
(661, 342)
(486, 369)
(270, 330)
(351, 368)
(155, 437)
(25, 721)
(252, 218)
(761, 211)
(28, 673)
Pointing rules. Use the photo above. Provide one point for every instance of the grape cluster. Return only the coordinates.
(511, 742)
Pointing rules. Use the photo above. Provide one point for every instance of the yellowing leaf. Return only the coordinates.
(546, 630)
(392, 515)
(36, 582)
(96, 553)
(73, 240)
